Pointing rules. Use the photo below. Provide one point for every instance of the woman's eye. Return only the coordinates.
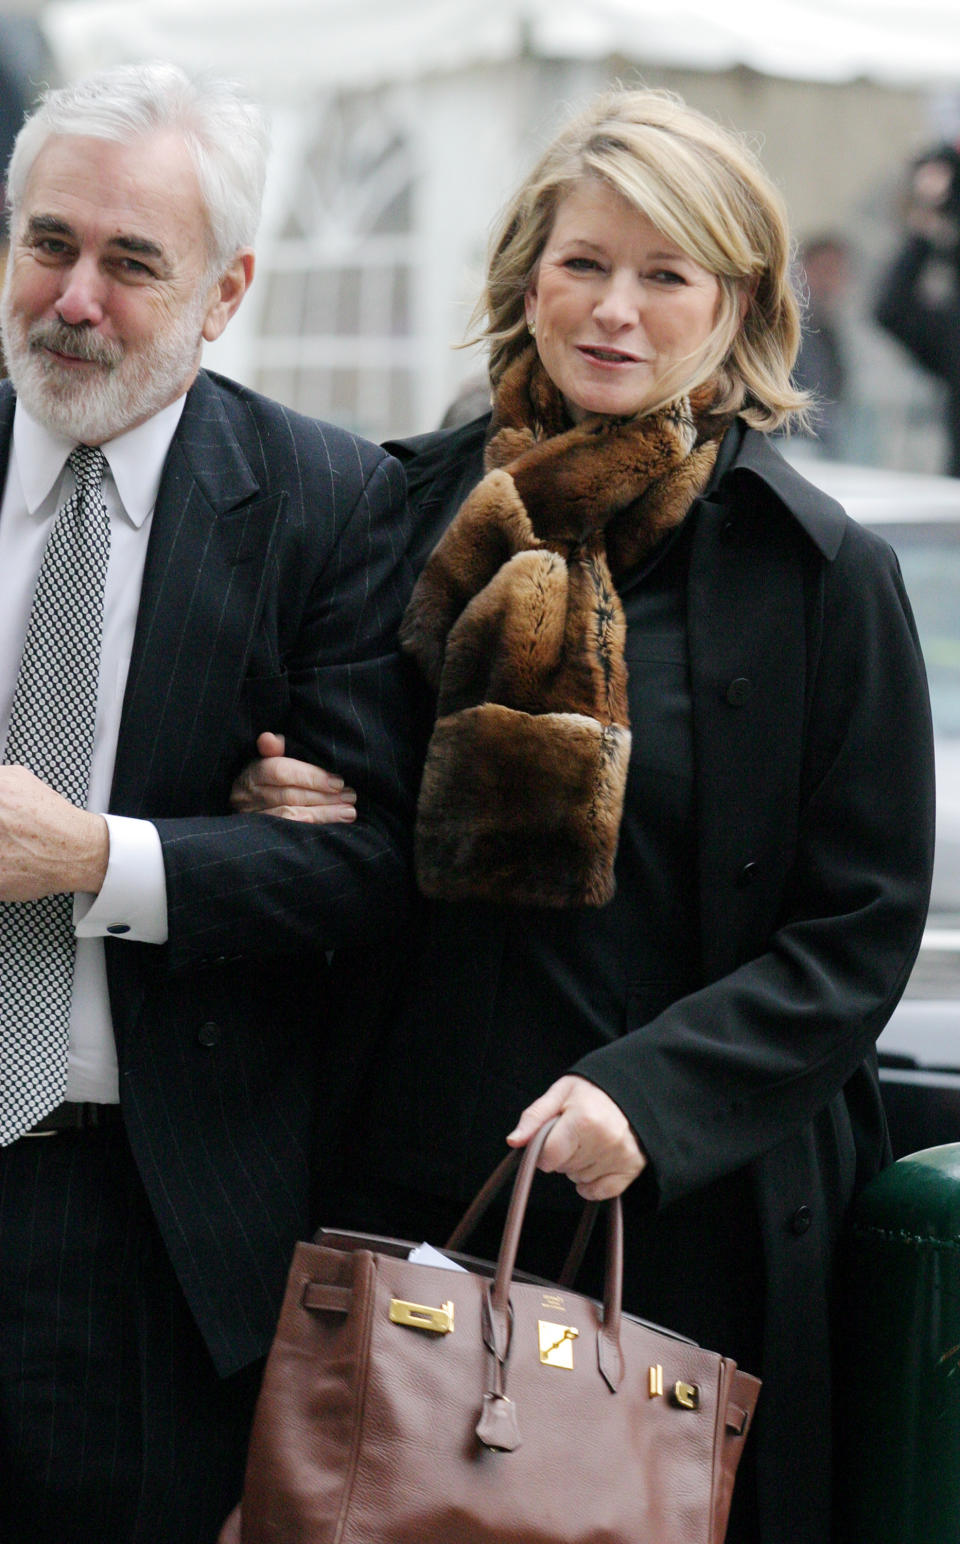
(667, 276)
(582, 264)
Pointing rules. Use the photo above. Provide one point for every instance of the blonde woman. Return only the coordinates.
(675, 827)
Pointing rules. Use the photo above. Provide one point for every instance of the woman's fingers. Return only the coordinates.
(592, 1143)
(277, 784)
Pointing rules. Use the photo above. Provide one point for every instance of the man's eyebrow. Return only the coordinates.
(48, 225)
(137, 246)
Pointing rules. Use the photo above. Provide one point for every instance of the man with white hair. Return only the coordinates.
(182, 562)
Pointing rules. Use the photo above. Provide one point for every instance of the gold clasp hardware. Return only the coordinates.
(556, 1344)
(686, 1395)
(656, 1381)
(417, 1316)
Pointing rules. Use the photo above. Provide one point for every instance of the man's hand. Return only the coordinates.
(592, 1143)
(47, 845)
(278, 785)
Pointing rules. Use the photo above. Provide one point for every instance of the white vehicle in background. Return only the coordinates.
(920, 1048)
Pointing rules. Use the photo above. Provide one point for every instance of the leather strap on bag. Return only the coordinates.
(498, 1426)
(492, 1187)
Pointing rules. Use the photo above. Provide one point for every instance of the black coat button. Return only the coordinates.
(747, 875)
(739, 691)
(801, 1220)
(119, 927)
(209, 1034)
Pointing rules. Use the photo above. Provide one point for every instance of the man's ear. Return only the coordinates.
(227, 294)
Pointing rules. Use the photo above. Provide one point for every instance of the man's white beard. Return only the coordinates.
(126, 388)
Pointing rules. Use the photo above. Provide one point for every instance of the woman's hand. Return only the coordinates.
(592, 1143)
(278, 785)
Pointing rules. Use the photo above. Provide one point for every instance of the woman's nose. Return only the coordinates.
(620, 303)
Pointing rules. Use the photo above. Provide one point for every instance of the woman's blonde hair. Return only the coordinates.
(705, 189)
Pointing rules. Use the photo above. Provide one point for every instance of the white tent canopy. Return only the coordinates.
(299, 45)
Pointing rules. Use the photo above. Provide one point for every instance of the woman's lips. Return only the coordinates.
(607, 356)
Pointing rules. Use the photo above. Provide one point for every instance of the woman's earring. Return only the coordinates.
(532, 329)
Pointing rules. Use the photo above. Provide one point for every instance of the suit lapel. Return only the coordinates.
(207, 564)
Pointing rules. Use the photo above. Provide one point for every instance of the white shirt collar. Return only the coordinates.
(135, 459)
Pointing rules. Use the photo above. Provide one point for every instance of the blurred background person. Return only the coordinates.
(919, 296)
(822, 369)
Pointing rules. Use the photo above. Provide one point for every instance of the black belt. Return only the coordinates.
(71, 1116)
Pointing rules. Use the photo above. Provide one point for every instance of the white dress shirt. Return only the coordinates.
(132, 903)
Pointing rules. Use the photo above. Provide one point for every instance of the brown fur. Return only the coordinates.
(517, 624)
(521, 807)
(490, 528)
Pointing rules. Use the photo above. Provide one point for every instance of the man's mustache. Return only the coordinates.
(75, 342)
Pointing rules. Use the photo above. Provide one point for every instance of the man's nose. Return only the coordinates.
(82, 292)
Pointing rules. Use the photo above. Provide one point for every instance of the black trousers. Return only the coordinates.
(114, 1426)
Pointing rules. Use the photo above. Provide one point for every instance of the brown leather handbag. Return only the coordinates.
(404, 1403)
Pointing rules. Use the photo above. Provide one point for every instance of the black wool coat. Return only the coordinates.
(814, 810)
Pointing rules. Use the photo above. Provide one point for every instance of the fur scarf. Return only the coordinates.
(517, 625)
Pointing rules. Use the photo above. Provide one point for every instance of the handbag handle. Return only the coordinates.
(498, 1427)
(488, 1192)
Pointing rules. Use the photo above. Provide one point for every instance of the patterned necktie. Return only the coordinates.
(51, 732)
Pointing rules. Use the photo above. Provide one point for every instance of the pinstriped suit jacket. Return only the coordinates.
(275, 579)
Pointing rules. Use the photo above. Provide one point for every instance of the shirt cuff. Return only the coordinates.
(132, 902)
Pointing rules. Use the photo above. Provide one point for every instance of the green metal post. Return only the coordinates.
(899, 1357)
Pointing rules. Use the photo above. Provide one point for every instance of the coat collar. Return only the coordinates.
(749, 457)
(208, 452)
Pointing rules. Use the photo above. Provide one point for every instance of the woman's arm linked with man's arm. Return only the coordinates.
(593, 1143)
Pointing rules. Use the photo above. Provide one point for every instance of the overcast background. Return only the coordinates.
(401, 125)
